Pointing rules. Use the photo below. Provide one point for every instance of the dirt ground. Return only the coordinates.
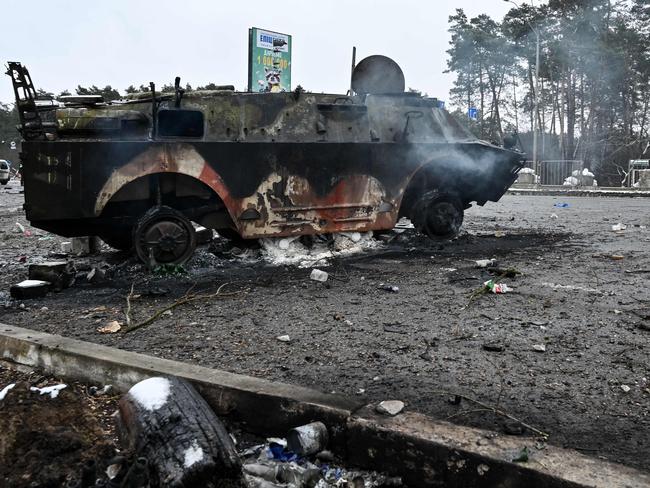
(582, 294)
(45, 441)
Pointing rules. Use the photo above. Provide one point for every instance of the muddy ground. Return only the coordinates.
(589, 308)
(45, 441)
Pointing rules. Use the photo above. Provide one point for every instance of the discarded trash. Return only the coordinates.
(20, 228)
(561, 205)
(497, 288)
(554, 216)
(110, 328)
(617, 257)
(484, 263)
(390, 407)
(66, 247)
(5, 390)
(625, 388)
(53, 390)
(499, 233)
(284, 338)
(539, 347)
(308, 439)
(523, 456)
(318, 275)
(391, 288)
(30, 289)
(619, 227)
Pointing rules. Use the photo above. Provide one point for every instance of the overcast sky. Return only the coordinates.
(121, 42)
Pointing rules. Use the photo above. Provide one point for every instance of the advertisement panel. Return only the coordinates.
(269, 61)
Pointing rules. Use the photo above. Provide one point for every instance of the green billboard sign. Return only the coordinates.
(269, 61)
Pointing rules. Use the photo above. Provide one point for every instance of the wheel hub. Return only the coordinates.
(164, 236)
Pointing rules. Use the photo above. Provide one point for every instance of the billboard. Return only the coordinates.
(269, 61)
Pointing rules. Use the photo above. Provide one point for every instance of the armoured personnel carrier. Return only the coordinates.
(137, 172)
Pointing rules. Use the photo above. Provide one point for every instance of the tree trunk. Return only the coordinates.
(167, 422)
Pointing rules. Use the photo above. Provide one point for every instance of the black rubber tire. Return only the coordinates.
(438, 215)
(176, 239)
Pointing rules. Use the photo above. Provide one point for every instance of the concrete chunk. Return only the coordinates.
(60, 274)
(30, 289)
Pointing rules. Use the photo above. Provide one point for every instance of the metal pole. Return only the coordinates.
(354, 63)
(536, 102)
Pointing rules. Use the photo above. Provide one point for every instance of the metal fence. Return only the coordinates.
(554, 172)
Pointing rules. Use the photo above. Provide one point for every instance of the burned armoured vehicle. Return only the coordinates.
(138, 172)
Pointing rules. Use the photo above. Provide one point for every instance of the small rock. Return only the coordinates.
(486, 263)
(625, 388)
(391, 288)
(493, 347)
(539, 348)
(284, 338)
(454, 400)
(390, 407)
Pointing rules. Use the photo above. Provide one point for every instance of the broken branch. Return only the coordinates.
(496, 411)
(183, 300)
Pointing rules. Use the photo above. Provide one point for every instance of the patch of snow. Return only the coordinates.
(526, 171)
(291, 252)
(32, 283)
(571, 181)
(193, 454)
(586, 172)
(5, 390)
(53, 390)
(151, 393)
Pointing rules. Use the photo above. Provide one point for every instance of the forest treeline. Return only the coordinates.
(594, 79)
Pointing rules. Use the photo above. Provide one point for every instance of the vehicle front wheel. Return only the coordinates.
(437, 215)
(164, 236)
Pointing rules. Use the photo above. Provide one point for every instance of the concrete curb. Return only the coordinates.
(577, 192)
(423, 451)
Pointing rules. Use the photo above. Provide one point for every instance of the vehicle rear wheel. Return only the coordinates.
(164, 236)
(437, 215)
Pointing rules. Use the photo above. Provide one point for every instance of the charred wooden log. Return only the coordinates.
(167, 422)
